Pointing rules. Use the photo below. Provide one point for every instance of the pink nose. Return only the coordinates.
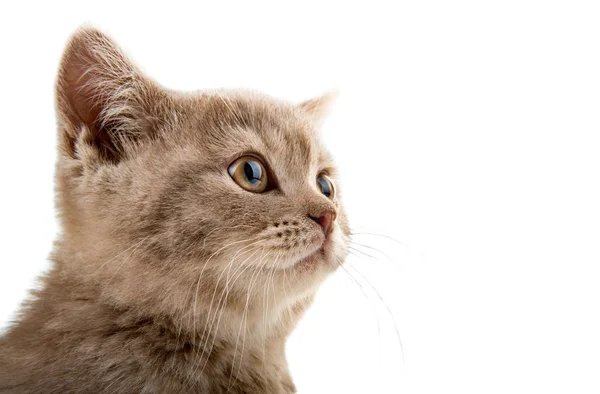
(325, 221)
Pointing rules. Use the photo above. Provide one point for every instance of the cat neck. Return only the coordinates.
(246, 352)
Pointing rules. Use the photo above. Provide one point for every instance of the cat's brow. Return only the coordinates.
(299, 143)
(277, 131)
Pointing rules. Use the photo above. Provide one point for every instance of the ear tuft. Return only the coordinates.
(318, 108)
(100, 90)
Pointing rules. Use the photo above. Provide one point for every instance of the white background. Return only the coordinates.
(468, 131)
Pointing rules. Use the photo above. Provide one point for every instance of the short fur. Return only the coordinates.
(168, 277)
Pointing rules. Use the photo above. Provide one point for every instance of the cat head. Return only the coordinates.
(160, 191)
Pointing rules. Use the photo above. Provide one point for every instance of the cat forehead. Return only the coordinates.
(238, 123)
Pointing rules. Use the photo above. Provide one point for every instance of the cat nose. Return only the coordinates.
(325, 220)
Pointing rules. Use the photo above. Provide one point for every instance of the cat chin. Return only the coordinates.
(322, 259)
(310, 262)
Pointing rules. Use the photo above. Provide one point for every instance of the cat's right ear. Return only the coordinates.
(318, 108)
(105, 105)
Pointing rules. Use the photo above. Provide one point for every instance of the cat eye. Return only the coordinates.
(249, 173)
(325, 184)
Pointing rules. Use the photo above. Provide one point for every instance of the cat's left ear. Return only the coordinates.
(318, 108)
(105, 104)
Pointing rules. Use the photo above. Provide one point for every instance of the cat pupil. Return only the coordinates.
(325, 188)
(252, 171)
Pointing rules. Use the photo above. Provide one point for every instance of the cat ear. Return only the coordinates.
(104, 103)
(318, 108)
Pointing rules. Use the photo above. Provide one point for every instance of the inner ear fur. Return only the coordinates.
(103, 100)
(318, 108)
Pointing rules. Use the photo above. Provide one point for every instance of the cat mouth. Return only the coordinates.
(310, 262)
(320, 255)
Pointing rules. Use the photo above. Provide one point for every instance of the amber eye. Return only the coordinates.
(249, 173)
(326, 186)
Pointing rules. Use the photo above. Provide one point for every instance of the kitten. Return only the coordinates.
(196, 228)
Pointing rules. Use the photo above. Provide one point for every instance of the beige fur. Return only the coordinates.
(168, 277)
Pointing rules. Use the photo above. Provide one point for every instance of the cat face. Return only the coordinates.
(215, 189)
